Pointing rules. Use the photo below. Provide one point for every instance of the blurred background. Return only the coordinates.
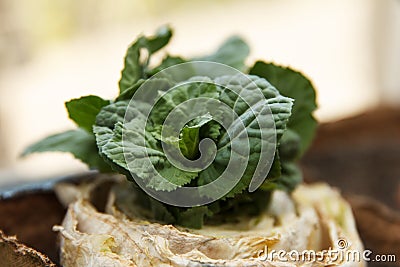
(52, 51)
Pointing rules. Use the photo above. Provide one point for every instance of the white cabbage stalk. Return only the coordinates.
(313, 218)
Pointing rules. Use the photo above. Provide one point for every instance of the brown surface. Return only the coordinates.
(361, 156)
(378, 226)
(31, 219)
(13, 254)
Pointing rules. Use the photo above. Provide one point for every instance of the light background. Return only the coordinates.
(52, 51)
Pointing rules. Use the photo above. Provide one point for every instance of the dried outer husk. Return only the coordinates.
(313, 218)
(13, 253)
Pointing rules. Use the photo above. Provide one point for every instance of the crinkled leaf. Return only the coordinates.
(109, 141)
(113, 113)
(78, 142)
(293, 84)
(180, 94)
(110, 127)
(174, 175)
(276, 170)
(207, 176)
(211, 130)
(83, 111)
(280, 108)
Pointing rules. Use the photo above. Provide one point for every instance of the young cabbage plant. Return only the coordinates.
(98, 140)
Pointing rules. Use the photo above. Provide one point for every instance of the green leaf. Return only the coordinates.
(109, 131)
(276, 169)
(103, 124)
(293, 84)
(190, 137)
(274, 175)
(290, 176)
(211, 130)
(83, 111)
(233, 52)
(159, 40)
(280, 108)
(193, 217)
(111, 146)
(167, 62)
(208, 175)
(290, 146)
(173, 175)
(180, 94)
(160, 211)
(129, 92)
(111, 114)
(78, 142)
(134, 69)
(110, 126)
(160, 83)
